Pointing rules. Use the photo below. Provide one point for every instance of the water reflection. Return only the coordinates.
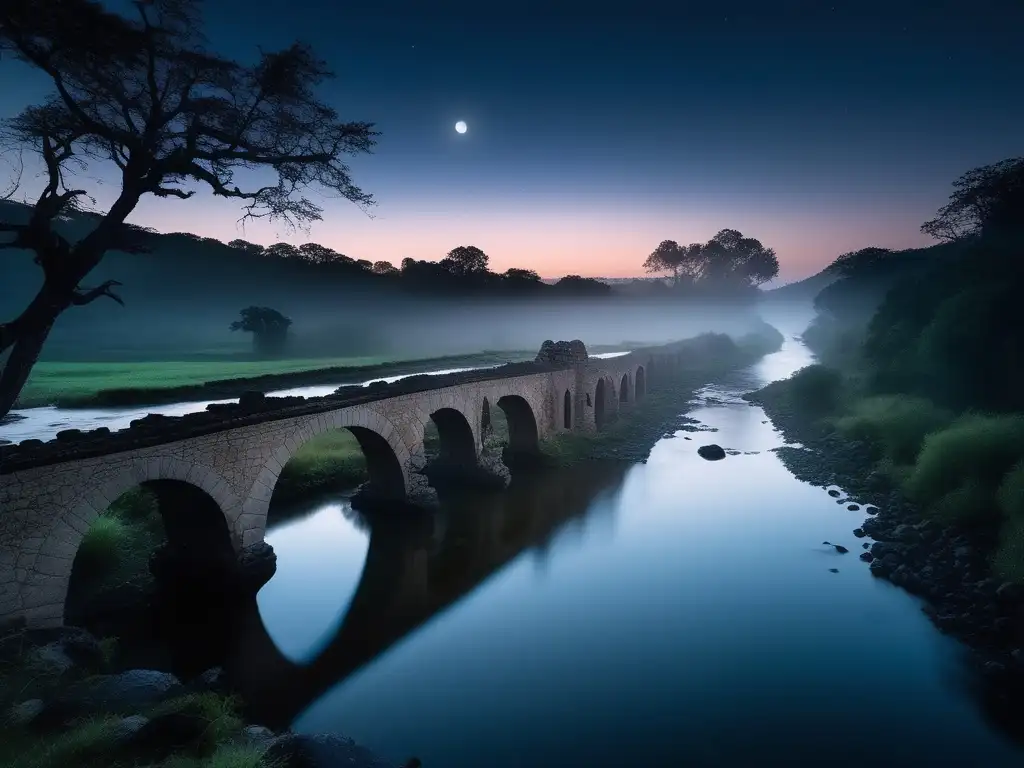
(414, 569)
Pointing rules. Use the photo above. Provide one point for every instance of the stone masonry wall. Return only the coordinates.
(45, 510)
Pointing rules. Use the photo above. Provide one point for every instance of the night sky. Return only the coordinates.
(595, 131)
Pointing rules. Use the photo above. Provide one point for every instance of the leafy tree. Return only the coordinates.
(574, 285)
(665, 258)
(365, 264)
(731, 258)
(269, 329)
(282, 251)
(986, 201)
(245, 245)
(514, 273)
(384, 268)
(144, 94)
(465, 260)
(318, 254)
(728, 258)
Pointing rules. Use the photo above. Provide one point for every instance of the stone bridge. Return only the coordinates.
(214, 472)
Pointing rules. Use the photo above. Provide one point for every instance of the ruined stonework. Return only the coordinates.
(51, 492)
(562, 353)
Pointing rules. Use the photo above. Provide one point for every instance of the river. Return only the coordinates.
(677, 612)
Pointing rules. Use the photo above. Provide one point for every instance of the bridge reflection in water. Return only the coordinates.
(416, 567)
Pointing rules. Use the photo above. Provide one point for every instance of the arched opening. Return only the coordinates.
(333, 462)
(454, 444)
(485, 420)
(523, 437)
(159, 558)
(624, 389)
(567, 410)
(641, 383)
(599, 412)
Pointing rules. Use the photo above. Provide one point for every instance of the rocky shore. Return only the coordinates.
(947, 568)
(67, 703)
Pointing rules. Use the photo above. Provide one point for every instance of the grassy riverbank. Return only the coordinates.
(81, 384)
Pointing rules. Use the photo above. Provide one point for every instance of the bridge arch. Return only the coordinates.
(567, 410)
(387, 459)
(600, 414)
(196, 504)
(624, 393)
(456, 444)
(639, 383)
(523, 435)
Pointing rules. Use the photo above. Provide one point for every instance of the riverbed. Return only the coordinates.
(675, 612)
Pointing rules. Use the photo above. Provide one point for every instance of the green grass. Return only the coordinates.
(332, 461)
(1008, 561)
(227, 756)
(51, 381)
(896, 425)
(116, 548)
(974, 448)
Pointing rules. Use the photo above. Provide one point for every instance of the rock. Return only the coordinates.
(833, 570)
(169, 733)
(867, 557)
(295, 750)
(258, 736)
(838, 547)
(866, 545)
(23, 714)
(859, 533)
(134, 688)
(252, 400)
(125, 730)
(211, 680)
(853, 507)
(711, 452)
(871, 510)
(67, 435)
(50, 659)
(834, 493)
(1009, 593)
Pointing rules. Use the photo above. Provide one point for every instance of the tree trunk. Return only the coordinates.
(16, 369)
(25, 336)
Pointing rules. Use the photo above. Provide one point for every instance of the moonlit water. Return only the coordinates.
(678, 612)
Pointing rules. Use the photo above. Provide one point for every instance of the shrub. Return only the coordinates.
(227, 756)
(103, 546)
(1008, 561)
(895, 424)
(816, 388)
(973, 447)
(219, 712)
(1011, 493)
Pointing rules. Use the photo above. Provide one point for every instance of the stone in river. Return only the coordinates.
(839, 547)
(711, 452)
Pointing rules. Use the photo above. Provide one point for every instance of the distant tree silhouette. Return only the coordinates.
(384, 268)
(728, 260)
(514, 273)
(574, 285)
(465, 260)
(245, 245)
(269, 329)
(281, 251)
(320, 254)
(144, 95)
(986, 201)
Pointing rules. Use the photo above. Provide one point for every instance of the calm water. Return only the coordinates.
(678, 612)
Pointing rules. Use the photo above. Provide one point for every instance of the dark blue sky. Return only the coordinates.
(598, 130)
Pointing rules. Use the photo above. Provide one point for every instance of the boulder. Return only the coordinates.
(134, 688)
(711, 452)
(296, 750)
(25, 713)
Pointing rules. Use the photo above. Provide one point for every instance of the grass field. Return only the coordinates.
(79, 384)
(52, 381)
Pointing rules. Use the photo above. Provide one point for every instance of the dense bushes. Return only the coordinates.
(894, 425)
(816, 389)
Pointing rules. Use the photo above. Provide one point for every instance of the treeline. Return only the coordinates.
(923, 358)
